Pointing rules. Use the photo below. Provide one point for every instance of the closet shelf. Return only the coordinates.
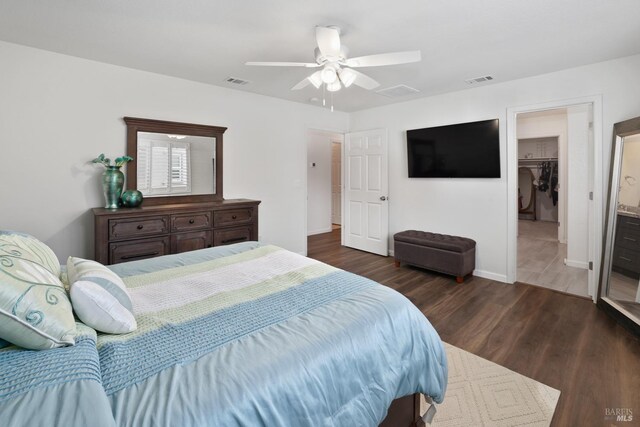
(539, 159)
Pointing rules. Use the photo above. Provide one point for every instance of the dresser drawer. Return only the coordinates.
(185, 242)
(133, 250)
(629, 223)
(628, 239)
(228, 236)
(232, 217)
(191, 221)
(626, 258)
(136, 227)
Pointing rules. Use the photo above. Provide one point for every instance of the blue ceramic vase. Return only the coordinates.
(112, 183)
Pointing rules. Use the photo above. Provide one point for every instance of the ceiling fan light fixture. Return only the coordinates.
(329, 75)
(347, 76)
(334, 86)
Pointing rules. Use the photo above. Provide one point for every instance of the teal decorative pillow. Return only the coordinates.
(35, 312)
(100, 297)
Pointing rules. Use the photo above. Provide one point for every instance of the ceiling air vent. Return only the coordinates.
(397, 91)
(236, 81)
(479, 80)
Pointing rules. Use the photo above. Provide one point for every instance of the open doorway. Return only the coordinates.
(324, 181)
(555, 175)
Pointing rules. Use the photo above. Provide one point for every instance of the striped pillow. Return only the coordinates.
(99, 297)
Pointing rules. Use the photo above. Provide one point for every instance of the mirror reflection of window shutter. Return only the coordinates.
(180, 168)
(164, 167)
(160, 167)
(144, 171)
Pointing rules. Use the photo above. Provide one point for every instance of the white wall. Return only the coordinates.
(578, 186)
(58, 112)
(319, 180)
(202, 155)
(477, 208)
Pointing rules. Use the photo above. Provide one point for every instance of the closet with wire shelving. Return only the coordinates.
(538, 183)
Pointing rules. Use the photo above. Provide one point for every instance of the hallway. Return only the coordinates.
(541, 259)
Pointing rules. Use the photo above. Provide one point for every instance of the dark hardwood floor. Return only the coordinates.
(560, 340)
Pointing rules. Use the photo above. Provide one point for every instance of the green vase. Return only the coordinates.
(112, 183)
(131, 199)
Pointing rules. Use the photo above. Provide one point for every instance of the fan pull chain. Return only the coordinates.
(324, 102)
(332, 102)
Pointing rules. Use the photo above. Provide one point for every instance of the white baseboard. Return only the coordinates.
(489, 275)
(321, 231)
(577, 264)
(390, 252)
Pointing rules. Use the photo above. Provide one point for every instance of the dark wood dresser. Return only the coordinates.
(626, 249)
(129, 234)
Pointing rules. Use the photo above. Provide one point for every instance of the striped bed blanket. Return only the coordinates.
(251, 335)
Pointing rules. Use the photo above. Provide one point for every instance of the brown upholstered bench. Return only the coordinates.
(439, 252)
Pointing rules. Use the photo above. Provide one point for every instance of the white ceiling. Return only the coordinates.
(208, 40)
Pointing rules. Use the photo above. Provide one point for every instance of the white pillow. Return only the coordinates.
(100, 310)
(99, 297)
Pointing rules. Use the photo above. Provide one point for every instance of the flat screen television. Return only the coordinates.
(464, 150)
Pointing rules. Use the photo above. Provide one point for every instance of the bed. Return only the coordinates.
(240, 335)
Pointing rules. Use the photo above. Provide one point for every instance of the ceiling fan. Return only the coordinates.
(337, 69)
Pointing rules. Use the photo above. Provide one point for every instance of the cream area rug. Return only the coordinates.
(483, 393)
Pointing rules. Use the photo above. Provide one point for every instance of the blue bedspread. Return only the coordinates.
(250, 335)
(57, 387)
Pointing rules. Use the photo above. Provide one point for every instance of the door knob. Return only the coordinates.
(383, 198)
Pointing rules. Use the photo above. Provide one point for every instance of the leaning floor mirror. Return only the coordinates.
(619, 292)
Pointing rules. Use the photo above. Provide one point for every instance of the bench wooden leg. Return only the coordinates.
(459, 279)
(396, 263)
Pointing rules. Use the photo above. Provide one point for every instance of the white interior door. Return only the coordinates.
(593, 269)
(366, 206)
(336, 183)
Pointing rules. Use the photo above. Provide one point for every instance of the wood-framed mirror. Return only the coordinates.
(619, 288)
(174, 162)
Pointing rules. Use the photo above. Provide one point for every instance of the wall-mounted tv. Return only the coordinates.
(464, 150)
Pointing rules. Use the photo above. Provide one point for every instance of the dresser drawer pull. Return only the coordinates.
(234, 216)
(238, 239)
(625, 259)
(140, 227)
(191, 221)
(629, 238)
(140, 255)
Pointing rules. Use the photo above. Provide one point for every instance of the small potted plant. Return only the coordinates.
(112, 179)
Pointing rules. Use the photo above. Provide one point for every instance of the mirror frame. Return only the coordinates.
(625, 318)
(135, 125)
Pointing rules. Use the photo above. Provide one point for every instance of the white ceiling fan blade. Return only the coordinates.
(313, 79)
(364, 81)
(328, 41)
(385, 59)
(284, 64)
(304, 83)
